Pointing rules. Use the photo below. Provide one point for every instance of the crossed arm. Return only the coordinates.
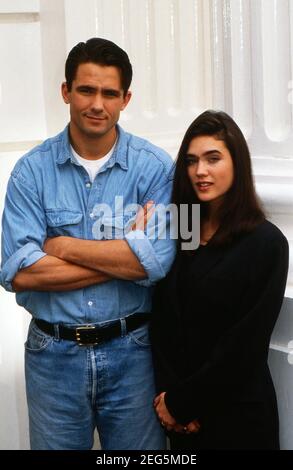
(73, 263)
(53, 274)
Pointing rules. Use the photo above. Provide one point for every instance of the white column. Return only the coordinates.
(195, 57)
(144, 58)
(241, 73)
(277, 68)
(53, 49)
(217, 54)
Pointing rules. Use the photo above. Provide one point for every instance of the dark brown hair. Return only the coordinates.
(241, 210)
(98, 51)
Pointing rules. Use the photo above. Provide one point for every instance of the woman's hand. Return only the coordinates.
(143, 216)
(163, 414)
(167, 420)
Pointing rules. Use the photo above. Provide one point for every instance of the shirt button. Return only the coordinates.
(90, 303)
(91, 215)
(88, 185)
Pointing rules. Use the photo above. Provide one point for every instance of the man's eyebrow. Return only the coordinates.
(85, 87)
(114, 91)
(111, 90)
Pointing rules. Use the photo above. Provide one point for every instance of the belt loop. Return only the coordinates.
(123, 327)
(56, 331)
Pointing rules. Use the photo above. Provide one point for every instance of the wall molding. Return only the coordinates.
(7, 18)
(285, 350)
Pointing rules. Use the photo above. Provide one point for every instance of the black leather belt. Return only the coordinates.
(90, 334)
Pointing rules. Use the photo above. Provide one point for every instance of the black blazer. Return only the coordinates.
(213, 316)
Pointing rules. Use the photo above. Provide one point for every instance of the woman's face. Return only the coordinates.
(210, 168)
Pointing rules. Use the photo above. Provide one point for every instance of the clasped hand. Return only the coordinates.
(167, 420)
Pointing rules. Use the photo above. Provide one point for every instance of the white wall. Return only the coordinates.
(188, 55)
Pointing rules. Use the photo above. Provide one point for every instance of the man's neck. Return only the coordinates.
(92, 147)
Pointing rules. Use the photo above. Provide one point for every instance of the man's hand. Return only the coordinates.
(143, 216)
(167, 419)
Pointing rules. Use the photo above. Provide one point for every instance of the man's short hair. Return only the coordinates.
(99, 51)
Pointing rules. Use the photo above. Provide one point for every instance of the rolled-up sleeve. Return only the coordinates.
(23, 227)
(155, 247)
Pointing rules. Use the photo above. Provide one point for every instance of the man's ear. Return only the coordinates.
(126, 100)
(65, 93)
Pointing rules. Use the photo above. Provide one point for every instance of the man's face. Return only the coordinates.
(96, 99)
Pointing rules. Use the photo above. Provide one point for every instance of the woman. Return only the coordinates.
(214, 313)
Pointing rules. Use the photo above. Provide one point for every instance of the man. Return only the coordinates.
(77, 266)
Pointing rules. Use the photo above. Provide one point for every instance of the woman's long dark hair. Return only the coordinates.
(241, 210)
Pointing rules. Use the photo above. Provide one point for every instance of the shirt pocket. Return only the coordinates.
(63, 222)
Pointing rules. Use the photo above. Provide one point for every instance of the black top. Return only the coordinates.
(213, 316)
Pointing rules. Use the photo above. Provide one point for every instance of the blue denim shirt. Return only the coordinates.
(49, 194)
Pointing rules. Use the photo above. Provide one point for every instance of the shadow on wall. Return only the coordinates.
(13, 408)
(13, 412)
(282, 372)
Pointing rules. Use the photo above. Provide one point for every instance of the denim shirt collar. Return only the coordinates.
(119, 155)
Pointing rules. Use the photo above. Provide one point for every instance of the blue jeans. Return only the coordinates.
(71, 390)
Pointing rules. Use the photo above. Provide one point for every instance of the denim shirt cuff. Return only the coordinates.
(144, 250)
(22, 258)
